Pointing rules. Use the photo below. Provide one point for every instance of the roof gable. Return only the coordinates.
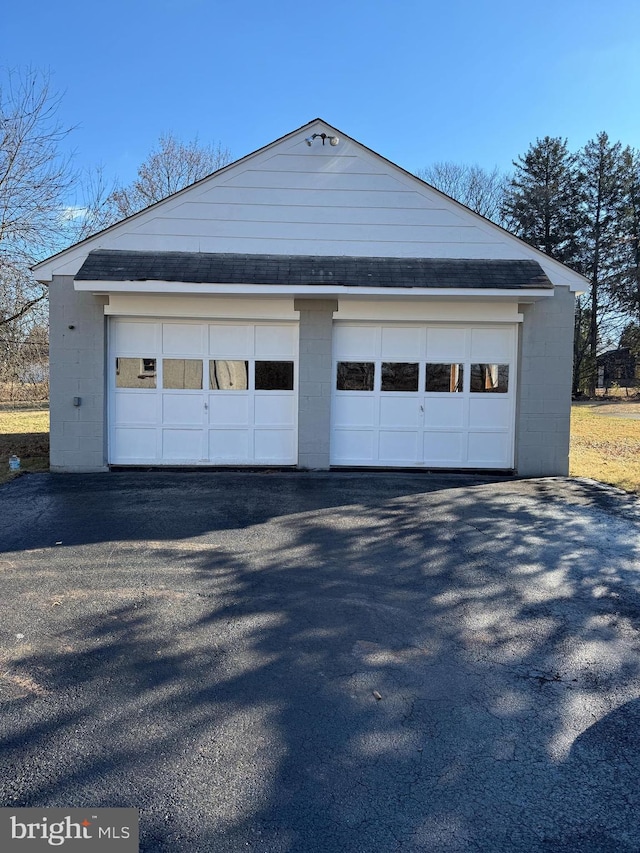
(295, 198)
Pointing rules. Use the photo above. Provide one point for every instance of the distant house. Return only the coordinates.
(617, 367)
(312, 305)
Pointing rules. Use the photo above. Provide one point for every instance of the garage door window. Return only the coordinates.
(182, 373)
(355, 375)
(444, 378)
(227, 375)
(492, 378)
(399, 376)
(274, 376)
(135, 373)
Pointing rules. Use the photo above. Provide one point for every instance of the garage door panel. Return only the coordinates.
(487, 411)
(444, 448)
(398, 447)
(354, 341)
(274, 446)
(454, 419)
(489, 449)
(227, 446)
(444, 412)
(351, 410)
(275, 342)
(274, 410)
(133, 444)
(132, 408)
(182, 445)
(354, 446)
(446, 345)
(183, 339)
(399, 411)
(490, 345)
(403, 343)
(185, 409)
(229, 409)
(230, 341)
(185, 416)
(140, 339)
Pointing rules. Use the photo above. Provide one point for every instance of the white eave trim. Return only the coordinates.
(317, 290)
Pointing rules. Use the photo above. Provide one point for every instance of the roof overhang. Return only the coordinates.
(116, 271)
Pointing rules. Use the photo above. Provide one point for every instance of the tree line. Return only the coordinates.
(46, 204)
(581, 207)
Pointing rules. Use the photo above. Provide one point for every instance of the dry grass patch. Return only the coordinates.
(24, 421)
(605, 443)
(25, 433)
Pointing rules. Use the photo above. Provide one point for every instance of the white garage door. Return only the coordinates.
(187, 393)
(423, 396)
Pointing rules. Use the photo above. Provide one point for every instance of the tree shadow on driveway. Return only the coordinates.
(450, 669)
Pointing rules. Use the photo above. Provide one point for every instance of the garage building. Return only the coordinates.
(312, 305)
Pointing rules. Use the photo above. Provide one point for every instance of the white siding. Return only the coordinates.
(308, 201)
(294, 199)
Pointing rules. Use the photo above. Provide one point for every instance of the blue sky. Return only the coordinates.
(461, 80)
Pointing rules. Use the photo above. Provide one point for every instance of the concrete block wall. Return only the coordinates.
(78, 434)
(314, 391)
(77, 355)
(543, 406)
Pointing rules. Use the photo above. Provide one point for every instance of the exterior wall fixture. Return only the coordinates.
(333, 140)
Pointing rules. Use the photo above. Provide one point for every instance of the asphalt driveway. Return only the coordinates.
(313, 662)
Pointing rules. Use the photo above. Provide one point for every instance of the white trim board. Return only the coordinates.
(315, 290)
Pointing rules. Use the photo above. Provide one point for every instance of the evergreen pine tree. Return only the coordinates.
(602, 166)
(625, 286)
(542, 203)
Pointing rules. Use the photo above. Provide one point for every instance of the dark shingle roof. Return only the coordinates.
(296, 270)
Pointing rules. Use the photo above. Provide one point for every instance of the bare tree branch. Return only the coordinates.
(25, 308)
(34, 176)
(34, 181)
(172, 166)
(479, 189)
